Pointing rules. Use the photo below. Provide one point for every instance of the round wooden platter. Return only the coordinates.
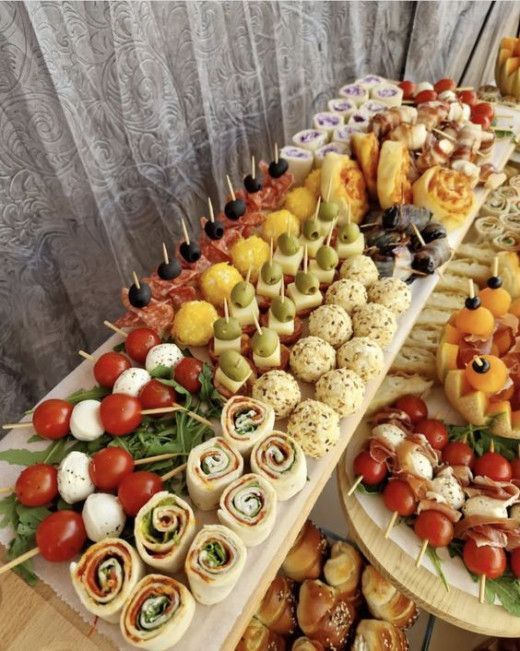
(457, 606)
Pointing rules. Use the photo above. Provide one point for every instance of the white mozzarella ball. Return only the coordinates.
(85, 422)
(390, 434)
(423, 85)
(74, 483)
(131, 381)
(163, 355)
(486, 506)
(450, 489)
(420, 466)
(103, 516)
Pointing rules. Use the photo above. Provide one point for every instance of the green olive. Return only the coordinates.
(348, 233)
(328, 211)
(271, 272)
(307, 282)
(311, 229)
(283, 309)
(227, 329)
(288, 244)
(234, 365)
(327, 258)
(242, 294)
(264, 343)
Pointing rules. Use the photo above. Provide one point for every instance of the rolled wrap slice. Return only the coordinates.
(163, 530)
(248, 507)
(212, 466)
(280, 459)
(214, 563)
(157, 614)
(105, 575)
(245, 421)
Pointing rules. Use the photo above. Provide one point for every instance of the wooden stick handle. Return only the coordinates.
(158, 410)
(418, 235)
(85, 355)
(230, 186)
(422, 552)
(391, 523)
(352, 489)
(158, 457)
(193, 415)
(185, 231)
(165, 253)
(482, 588)
(211, 212)
(115, 328)
(18, 561)
(23, 425)
(174, 472)
(6, 489)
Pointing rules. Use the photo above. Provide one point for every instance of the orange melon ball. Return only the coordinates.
(476, 322)
(497, 301)
(515, 307)
(489, 377)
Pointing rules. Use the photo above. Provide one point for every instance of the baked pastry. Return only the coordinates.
(322, 616)
(393, 185)
(385, 601)
(304, 644)
(278, 607)
(366, 150)
(347, 187)
(343, 571)
(375, 635)
(258, 637)
(305, 558)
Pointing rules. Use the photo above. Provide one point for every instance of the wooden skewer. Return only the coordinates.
(19, 560)
(115, 329)
(305, 259)
(464, 88)
(211, 213)
(230, 186)
(23, 425)
(165, 253)
(495, 266)
(482, 588)
(185, 231)
(257, 325)
(253, 166)
(422, 552)
(348, 211)
(136, 280)
(329, 236)
(352, 489)
(282, 290)
(391, 523)
(226, 310)
(418, 235)
(492, 445)
(479, 362)
(316, 212)
(85, 355)
(451, 138)
(471, 288)
(271, 245)
(329, 189)
(174, 472)
(6, 489)
(276, 152)
(248, 275)
(173, 408)
(157, 457)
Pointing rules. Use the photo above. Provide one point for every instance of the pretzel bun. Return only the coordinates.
(347, 186)
(376, 635)
(305, 558)
(278, 608)
(393, 186)
(385, 602)
(258, 637)
(343, 571)
(304, 644)
(366, 150)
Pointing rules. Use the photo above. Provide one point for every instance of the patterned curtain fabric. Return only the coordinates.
(116, 118)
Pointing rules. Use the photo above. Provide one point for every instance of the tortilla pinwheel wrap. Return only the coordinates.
(212, 466)
(163, 530)
(157, 614)
(105, 575)
(245, 421)
(214, 563)
(248, 507)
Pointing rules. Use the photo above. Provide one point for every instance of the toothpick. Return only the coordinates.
(271, 245)
(226, 311)
(316, 212)
(305, 259)
(248, 275)
(230, 186)
(447, 136)
(355, 485)
(391, 523)
(422, 552)
(185, 231)
(257, 325)
(329, 236)
(85, 355)
(158, 457)
(20, 559)
(282, 296)
(276, 152)
(136, 280)
(471, 287)
(165, 254)
(329, 189)
(174, 472)
(482, 588)
(478, 361)
(253, 166)
(115, 328)
(492, 445)
(211, 213)
(23, 425)
(418, 235)
(7, 489)
(495, 266)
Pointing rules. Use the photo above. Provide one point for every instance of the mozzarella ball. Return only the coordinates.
(74, 483)
(278, 389)
(374, 321)
(311, 357)
(419, 465)
(360, 268)
(85, 422)
(363, 356)
(393, 293)
(347, 293)
(163, 355)
(131, 381)
(449, 488)
(331, 323)
(342, 390)
(103, 516)
(485, 506)
(315, 426)
(390, 434)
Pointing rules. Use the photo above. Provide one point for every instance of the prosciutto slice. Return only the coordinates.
(498, 490)
(381, 451)
(393, 416)
(418, 485)
(495, 532)
(432, 504)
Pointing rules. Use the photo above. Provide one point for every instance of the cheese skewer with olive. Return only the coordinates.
(328, 213)
(326, 261)
(282, 318)
(233, 374)
(305, 290)
(270, 279)
(244, 306)
(289, 253)
(213, 228)
(311, 233)
(350, 240)
(267, 352)
(227, 335)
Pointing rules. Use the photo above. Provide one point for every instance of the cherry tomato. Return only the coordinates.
(120, 414)
(109, 466)
(515, 469)
(486, 560)
(515, 562)
(483, 108)
(425, 96)
(109, 367)
(37, 485)
(467, 97)
(482, 120)
(413, 406)
(494, 466)
(434, 527)
(408, 88)
(435, 432)
(372, 471)
(398, 496)
(187, 373)
(155, 394)
(444, 84)
(136, 489)
(61, 536)
(458, 453)
(139, 342)
(51, 418)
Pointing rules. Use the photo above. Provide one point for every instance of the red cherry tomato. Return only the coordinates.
(408, 88)
(444, 84)
(120, 414)
(108, 368)
(486, 560)
(494, 466)
(398, 496)
(109, 466)
(61, 536)
(187, 373)
(434, 527)
(467, 97)
(483, 108)
(37, 485)
(435, 432)
(139, 342)
(482, 120)
(457, 453)
(413, 406)
(155, 394)
(425, 96)
(515, 562)
(51, 418)
(515, 469)
(372, 471)
(136, 489)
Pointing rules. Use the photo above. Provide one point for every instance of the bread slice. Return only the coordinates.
(411, 359)
(394, 386)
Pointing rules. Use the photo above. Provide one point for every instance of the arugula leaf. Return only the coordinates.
(96, 393)
(179, 389)
(53, 454)
(119, 348)
(479, 438)
(161, 371)
(437, 563)
(507, 589)
(368, 490)
(7, 510)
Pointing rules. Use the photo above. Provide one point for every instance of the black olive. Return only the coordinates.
(278, 168)
(190, 252)
(253, 183)
(494, 282)
(214, 230)
(169, 270)
(480, 365)
(472, 302)
(235, 209)
(140, 296)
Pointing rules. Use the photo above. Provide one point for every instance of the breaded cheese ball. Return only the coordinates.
(278, 389)
(311, 357)
(315, 426)
(341, 389)
(347, 293)
(363, 356)
(361, 268)
(393, 293)
(374, 321)
(331, 323)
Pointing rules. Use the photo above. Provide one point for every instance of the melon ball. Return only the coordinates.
(250, 253)
(313, 182)
(193, 323)
(301, 202)
(217, 281)
(278, 222)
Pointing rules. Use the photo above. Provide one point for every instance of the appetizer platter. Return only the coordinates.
(293, 304)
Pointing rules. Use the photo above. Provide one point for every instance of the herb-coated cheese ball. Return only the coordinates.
(311, 357)
(341, 389)
(315, 426)
(393, 293)
(347, 293)
(374, 321)
(363, 356)
(331, 323)
(278, 389)
(360, 268)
